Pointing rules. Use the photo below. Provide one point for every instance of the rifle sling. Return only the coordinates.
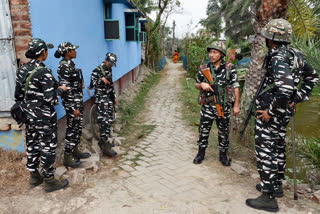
(102, 70)
(221, 90)
(266, 89)
(29, 78)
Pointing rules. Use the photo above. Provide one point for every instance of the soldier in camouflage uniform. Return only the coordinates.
(275, 105)
(105, 99)
(223, 76)
(72, 101)
(38, 103)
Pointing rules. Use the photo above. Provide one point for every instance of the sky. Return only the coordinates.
(193, 11)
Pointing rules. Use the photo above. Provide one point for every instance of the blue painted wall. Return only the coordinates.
(12, 140)
(81, 22)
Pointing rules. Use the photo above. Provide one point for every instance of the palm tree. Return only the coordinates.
(304, 15)
(239, 17)
(265, 10)
(213, 22)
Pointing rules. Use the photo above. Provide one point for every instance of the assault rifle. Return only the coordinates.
(248, 116)
(216, 98)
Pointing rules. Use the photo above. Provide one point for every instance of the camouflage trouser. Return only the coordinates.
(104, 116)
(41, 144)
(74, 129)
(271, 150)
(207, 114)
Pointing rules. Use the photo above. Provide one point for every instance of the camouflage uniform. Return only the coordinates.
(38, 104)
(72, 99)
(283, 77)
(270, 136)
(209, 113)
(104, 99)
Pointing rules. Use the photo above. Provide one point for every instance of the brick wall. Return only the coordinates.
(21, 27)
(19, 10)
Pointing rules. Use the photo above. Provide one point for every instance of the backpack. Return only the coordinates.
(297, 66)
(16, 111)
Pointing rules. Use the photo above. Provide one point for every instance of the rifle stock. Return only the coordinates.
(206, 72)
(266, 61)
(248, 116)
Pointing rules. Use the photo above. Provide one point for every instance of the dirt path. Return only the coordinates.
(156, 176)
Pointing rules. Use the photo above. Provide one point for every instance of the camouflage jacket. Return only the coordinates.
(71, 77)
(41, 96)
(22, 75)
(221, 77)
(285, 77)
(99, 86)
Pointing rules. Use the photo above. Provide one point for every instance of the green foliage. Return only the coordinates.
(196, 52)
(245, 48)
(309, 149)
(316, 91)
(213, 22)
(238, 17)
(310, 48)
(304, 20)
(242, 71)
(189, 97)
(156, 29)
(229, 44)
(290, 180)
(146, 6)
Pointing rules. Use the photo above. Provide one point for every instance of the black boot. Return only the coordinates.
(200, 156)
(264, 202)
(278, 192)
(80, 155)
(35, 179)
(51, 184)
(224, 159)
(70, 161)
(106, 148)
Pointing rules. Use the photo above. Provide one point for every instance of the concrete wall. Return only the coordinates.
(12, 140)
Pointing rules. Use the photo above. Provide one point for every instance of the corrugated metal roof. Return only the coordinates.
(7, 60)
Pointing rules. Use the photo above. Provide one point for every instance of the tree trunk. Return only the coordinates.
(266, 10)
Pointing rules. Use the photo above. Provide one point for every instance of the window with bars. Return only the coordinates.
(111, 26)
(132, 27)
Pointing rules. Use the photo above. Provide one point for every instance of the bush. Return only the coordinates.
(245, 49)
(196, 53)
(309, 150)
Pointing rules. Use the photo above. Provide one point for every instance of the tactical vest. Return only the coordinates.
(295, 68)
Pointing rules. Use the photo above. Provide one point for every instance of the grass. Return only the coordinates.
(132, 128)
(316, 90)
(191, 107)
(309, 149)
(129, 111)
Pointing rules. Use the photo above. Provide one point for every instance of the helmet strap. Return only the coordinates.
(218, 60)
(272, 40)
